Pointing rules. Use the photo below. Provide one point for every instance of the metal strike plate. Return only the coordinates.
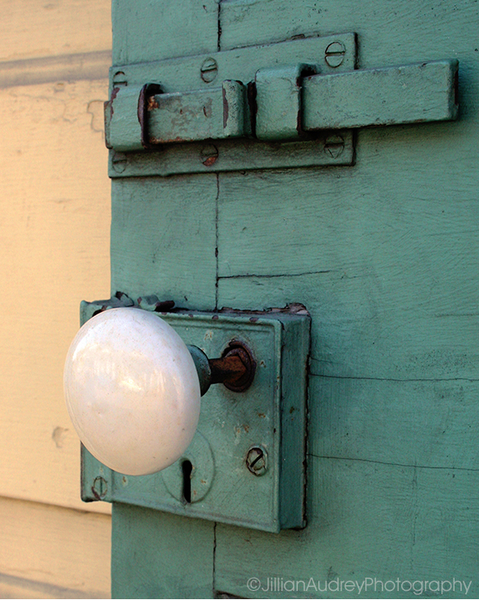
(246, 464)
(195, 85)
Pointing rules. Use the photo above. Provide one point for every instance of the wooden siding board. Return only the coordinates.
(55, 252)
(50, 69)
(33, 28)
(48, 551)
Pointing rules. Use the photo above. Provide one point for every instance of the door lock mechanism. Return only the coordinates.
(133, 390)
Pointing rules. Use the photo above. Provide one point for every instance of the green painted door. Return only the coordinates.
(383, 252)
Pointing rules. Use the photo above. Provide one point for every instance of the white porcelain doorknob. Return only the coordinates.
(132, 390)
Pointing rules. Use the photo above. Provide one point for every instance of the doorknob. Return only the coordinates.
(133, 388)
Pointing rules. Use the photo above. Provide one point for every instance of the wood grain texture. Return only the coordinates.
(52, 552)
(33, 28)
(384, 255)
(157, 555)
(55, 251)
(187, 27)
(386, 265)
(423, 423)
(164, 232)
(366, 521)
(385, 32)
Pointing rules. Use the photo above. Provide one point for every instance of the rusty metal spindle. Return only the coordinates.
(235, 369)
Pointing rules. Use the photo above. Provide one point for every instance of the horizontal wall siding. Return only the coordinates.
(54, 233)
(51, 552)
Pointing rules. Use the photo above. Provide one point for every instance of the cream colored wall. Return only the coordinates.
(54, 249)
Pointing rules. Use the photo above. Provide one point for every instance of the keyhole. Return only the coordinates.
(187, 469)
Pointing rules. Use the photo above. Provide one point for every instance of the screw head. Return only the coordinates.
(119, 78)
(99, 488)
(256, 460)
(209, 70)
(209, 155)
(118, 162)
(334, 146)
(334, 54)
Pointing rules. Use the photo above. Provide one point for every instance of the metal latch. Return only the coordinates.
(285, 105)
(146, 117)
(280, 105)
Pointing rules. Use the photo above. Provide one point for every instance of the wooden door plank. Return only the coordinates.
(187, 27)
(445, 29)
(376, 521)
(164, 239)
(424, 423)
(158, 555)
(363, 326)
(386, 265)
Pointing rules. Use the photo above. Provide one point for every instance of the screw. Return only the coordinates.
(256, 460)
(118, 162)
(209, 155)
(334, 146)
(209, 70)
(334, 54)
(119, 78)
(99, 488)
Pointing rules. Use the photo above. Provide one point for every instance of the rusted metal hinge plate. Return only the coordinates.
(191, 79)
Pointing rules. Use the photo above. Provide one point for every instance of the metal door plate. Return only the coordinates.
(228, 484)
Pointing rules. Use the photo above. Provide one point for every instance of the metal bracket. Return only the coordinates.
(205, 116)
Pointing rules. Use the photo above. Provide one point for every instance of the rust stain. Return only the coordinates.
(210, 161)
(152, 103)
(294, 308)
(114, 94)
(208, 109)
